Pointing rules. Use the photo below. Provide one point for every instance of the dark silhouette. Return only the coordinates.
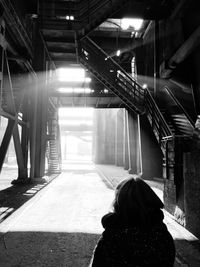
(135, 234)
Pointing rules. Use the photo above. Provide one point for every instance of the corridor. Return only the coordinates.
(60, 225)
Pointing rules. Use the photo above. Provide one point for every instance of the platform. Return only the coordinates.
(59, 225)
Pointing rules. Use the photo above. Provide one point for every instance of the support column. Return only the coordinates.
(192, 182)
(110, 138)
(133, 142)
(24, 139)
(119, 138)
(6, 141)
(169, 195)
(33, 118)
(126, 141)
(104, 136)
(41, 133)
(42, 104)
(99, 137)
(54, 144)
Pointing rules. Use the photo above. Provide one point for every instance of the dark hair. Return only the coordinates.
(135, 202)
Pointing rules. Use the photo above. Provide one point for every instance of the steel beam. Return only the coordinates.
(181, 54)
(40, 107)
(22, 174)
(6, 141)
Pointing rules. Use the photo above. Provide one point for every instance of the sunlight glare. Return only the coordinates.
(75, 112)
(135, 23)
(71, 74)
(76, 90)
(76, 122)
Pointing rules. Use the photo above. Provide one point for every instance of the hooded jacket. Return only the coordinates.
(129, 245)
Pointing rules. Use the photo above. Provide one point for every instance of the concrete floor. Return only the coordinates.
(60, 224)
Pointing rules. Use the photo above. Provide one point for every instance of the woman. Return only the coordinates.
(135, 234)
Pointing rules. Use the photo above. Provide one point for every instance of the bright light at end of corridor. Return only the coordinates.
(72, 75)
(75, 112)
(76, 90)
(134, 23)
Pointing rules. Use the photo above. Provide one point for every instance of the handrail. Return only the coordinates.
(122, 84)
(111, 59)
(120, 71)
(94, 56)
(179, 105)
(160, 117)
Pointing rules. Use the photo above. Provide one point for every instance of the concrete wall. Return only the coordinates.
(104, 136)
(151, 152)
(116, 141)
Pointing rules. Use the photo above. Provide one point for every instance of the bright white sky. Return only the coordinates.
(135, 23)
(75, 112)
(80, 115)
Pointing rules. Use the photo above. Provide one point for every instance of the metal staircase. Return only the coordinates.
(87, 15)
(114, 78)
(171, 129)
(93, 13)
(176, 114)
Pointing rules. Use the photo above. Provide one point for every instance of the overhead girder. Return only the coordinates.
(181, 54)
(16, 30)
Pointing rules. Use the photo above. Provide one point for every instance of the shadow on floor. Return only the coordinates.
(46, 249)
(15, 196)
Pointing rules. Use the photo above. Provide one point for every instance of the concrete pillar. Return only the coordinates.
(42, 104)
(54, 155)
(99, 137)
(192, 191)
(33, 118)
(25, 135)
(104, 137)
(133, 142)
(110, 135)
(119, 138)
(192, 183)
(152, 157)
(126, 140)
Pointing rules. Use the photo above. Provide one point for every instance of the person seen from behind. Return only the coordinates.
(134, 235)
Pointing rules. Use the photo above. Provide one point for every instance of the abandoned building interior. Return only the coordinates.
(139, 66)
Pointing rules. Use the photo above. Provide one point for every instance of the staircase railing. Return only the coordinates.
(94, 12)
(123, 85)
(157, 121)
(112, 75)
(180, 106)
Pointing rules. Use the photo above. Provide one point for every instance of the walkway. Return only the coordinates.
(60, 225)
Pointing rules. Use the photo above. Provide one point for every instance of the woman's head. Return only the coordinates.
(136, 202)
